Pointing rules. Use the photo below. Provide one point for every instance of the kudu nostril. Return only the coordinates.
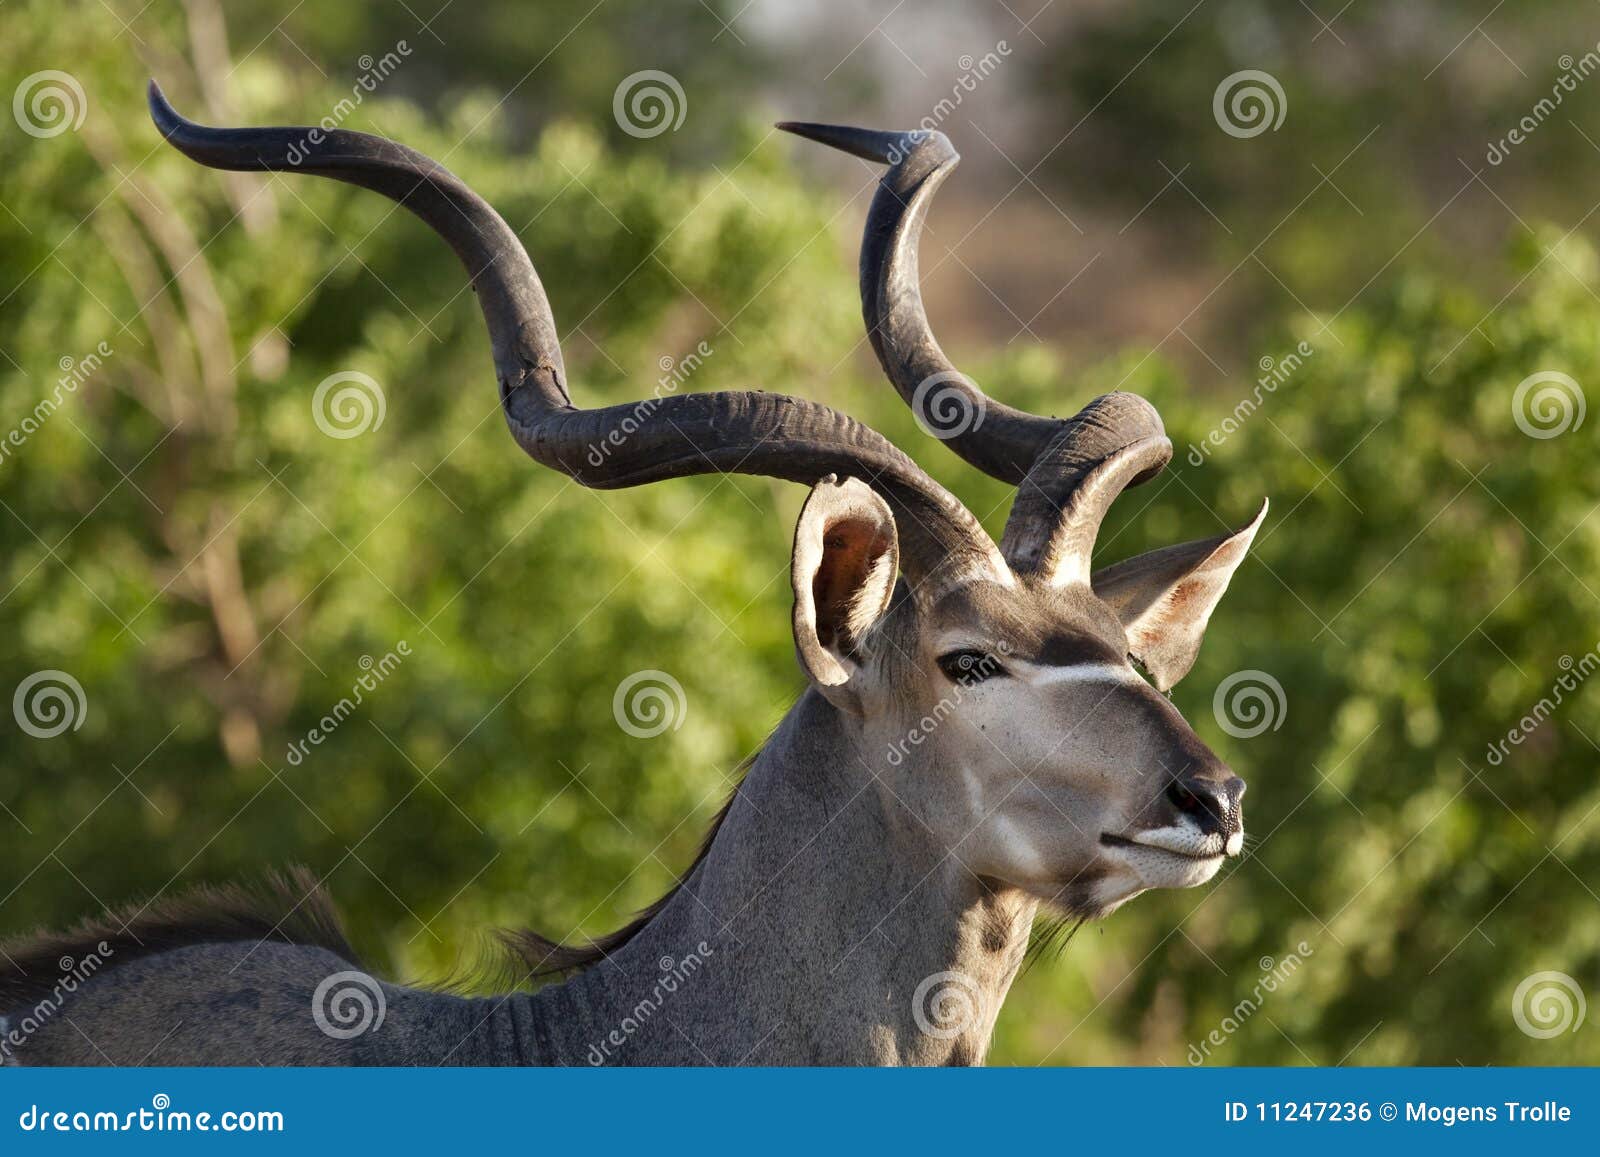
(1213, 803)
(1183, 799)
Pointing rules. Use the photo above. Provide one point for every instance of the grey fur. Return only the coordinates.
(792, 968)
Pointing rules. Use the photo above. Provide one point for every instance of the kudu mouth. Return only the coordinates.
(1210, 847)
(1202, 819)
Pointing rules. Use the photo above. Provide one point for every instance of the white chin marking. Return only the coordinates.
(1112, 893)
(1182, 839)
(1155, 868)
(1235, 843)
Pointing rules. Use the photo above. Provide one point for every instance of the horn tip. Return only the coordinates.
(166, 118)
(888, 148)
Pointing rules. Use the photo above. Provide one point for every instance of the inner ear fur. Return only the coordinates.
(846, 556)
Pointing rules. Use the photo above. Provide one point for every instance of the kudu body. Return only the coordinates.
(975, 742)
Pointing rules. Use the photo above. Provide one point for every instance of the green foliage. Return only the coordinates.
(183, 539)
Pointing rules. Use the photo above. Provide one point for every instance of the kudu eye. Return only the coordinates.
(969, 665)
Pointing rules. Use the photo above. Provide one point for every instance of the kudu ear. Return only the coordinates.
(1165, 598)
(846, 556)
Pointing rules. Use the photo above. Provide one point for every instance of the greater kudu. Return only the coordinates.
(977, 738)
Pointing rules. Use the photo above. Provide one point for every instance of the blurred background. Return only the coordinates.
(1396, 233)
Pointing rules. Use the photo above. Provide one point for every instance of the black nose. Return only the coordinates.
(1213, 802)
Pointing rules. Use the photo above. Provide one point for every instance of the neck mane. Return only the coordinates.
(821, 925)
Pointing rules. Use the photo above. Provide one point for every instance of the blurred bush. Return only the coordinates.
(217, 573)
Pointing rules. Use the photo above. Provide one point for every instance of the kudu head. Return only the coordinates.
(999, 694)
(996, 692)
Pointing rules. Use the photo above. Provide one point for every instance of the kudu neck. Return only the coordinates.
(823, 926)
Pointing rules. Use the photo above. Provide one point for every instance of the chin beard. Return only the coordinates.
(1063, 916)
